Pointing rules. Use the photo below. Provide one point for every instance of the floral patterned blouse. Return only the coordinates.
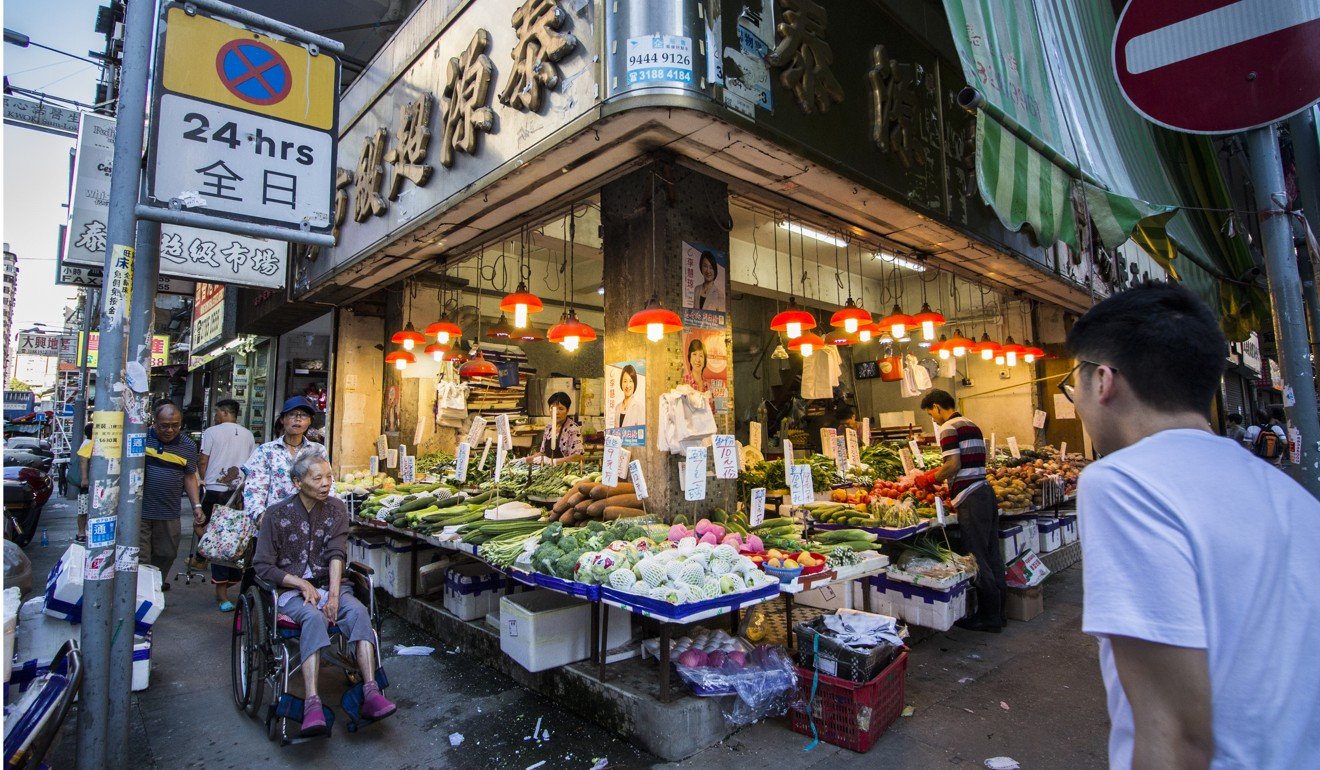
(299, 542)
(568, 444)
(267, 474)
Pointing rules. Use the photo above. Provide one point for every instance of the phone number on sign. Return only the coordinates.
(680, 76)
(673, 58)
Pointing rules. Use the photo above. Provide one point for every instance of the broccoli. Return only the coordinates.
(633, 533)
(567, 563)
(595, 526)
(545, 557)
(552, 533)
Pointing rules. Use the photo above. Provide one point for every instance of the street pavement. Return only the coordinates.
(1032, 693)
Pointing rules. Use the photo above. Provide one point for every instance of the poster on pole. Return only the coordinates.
(706, 365)
(705, 287)
(625, 402)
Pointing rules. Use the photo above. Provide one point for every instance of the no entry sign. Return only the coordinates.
(1218, 66)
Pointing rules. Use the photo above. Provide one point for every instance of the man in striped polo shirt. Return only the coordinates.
(963, 448)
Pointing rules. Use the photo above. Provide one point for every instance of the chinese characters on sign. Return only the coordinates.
(805, 56)
(39, 344)
(467, 89)
(160, 349)
(370, 173)
(208, 321)
(414, 137)
(895, 110)
(539, 46)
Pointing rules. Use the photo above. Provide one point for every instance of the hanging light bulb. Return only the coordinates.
(840, 338)
(941, 348)
(1011, 351)
(570, 332)
(453, 356)
(408, 338)
(400, 359)
(499, 330)
(655, 321)
(868, 332)
(1033, 354)
(898, 323)
(437, 351)
(987, 347)
(999, 360)
(444, 331)
(521, 303)
(806, 344)
(850, 317)
(793, 320)
(959, 345)
(928, 320)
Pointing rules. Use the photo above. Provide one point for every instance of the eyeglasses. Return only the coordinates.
(1065, 385)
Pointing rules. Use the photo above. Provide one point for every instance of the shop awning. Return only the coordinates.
(1054, 135)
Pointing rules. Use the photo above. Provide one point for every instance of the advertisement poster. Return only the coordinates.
(625, 402)
(706, 365)
(705, 287)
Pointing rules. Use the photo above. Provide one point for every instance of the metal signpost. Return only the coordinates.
(1203, 66)
(267, 152)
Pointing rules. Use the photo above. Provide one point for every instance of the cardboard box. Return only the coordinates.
(1024, 603)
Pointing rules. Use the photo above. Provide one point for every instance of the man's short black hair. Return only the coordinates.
(87, 430)
(161, 404)
(844, 413)
(1277, 413)
(941, 398)
(1235, 418)
(1163, 340)
(228, 405)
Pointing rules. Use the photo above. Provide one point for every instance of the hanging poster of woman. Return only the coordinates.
(705, 287)
(706, 365)
(625, 402)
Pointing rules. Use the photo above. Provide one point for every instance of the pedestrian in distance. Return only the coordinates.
(226, 445)
(80, 474)
(963, 447)
(171, 470)
(1198, 559)
(266, 472)
(1267, 439)
(1234, 430)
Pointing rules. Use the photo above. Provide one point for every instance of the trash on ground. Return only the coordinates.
(1002, 763)
(418, 649)
(1003, 705)
(455, 739)
(908, 711)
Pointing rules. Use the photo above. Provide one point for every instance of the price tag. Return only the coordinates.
(638, 480)
(756, 509)
(905, 455)
(854, 450)
(381, 445)
(1013, 448)
(1063, 450)
(827, 436)
(462, 456)
(726, 457)
(609, 467)
(403, 452)
(1294, 445)
(841, 454)
(475, 432)
(866, 431)
(373, 465)
(799, 485)
(917, 459)
(1038, 419)
(500, 455)
(754, 435)
(939, 511)
(788, 453)
(625, 461)
(485, 452)
(696, 473)
(392, 458)
(992, 446)
(407, 469)
(506, 435)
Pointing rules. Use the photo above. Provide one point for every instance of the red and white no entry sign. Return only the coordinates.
(1218, 66)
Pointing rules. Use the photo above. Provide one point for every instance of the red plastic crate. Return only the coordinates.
(850, 714)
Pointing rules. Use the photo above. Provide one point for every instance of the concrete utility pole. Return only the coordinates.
(133, 468)
(114, 399)
(1290, 328)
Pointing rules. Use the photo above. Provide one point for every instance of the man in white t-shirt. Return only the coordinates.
(226, 445)
(1199, 558)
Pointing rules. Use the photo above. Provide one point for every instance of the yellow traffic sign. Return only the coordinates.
(209, 59)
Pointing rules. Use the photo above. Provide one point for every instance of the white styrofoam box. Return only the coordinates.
(1069, 529)
(396, 572)
(141, 662)
(373, 552)
(831, 597)
(13, 599)
(64, 589)
(1051, 534)
(1030, 536)
(38, 638)
(1010, 543)
(546, 629)
(472, 590)
(431, 577)
(919, 605)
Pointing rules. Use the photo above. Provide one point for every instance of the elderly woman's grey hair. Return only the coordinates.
(304, 462)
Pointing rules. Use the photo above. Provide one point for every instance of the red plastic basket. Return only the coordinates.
(850, 714)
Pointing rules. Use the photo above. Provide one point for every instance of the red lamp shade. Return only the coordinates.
(959, 345)
(478, 366)
(436, 351)
(928, 320)
(499, 330)
(521, 302)
(940, 347)
(454, 355)
(840, 338)
(806, 344)
(986, 348)
(793, 320)
(1032, 353)
(898, 322)
(869, 332)
(655, 321)
(444, 331)
(408, 338)
(1011, 350)
(850, 317)
(400, 359)
(570, 332)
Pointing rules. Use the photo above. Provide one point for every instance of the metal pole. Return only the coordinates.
(1306, 156)
(133, 466)
(117, 305)
(1286, 300)
(90, 297)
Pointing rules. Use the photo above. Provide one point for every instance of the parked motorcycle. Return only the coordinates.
(27, 488)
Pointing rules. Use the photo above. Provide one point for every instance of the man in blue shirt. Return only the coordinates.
(171, 470)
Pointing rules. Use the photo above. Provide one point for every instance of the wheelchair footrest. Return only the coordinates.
(290, 707)
(353, 698)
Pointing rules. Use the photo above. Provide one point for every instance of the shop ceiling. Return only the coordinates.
(615, 142)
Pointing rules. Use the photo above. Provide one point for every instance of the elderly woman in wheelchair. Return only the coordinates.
(301, 552)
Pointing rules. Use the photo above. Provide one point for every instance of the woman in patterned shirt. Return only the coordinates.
(267, 470)
(562, 442)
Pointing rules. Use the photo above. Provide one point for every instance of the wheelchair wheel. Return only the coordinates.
(238, 657)
(277, 726)
(255, 649)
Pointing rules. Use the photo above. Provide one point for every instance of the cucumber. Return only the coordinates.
(481, 498)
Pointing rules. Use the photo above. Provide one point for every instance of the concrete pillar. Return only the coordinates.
(684, 206)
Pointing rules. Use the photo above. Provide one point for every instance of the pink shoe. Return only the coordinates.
(313, 718)
(374, 704)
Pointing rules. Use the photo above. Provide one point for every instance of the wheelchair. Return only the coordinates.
(264, 657)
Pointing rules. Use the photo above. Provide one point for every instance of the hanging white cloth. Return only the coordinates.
(909, 383)
(820, 373)
(685, 420)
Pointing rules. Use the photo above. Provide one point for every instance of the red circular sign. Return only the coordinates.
(253, 71)
(1218, 66)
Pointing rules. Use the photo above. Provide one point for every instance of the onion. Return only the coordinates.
(692, 659)
(716, 659)
(736, 658)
